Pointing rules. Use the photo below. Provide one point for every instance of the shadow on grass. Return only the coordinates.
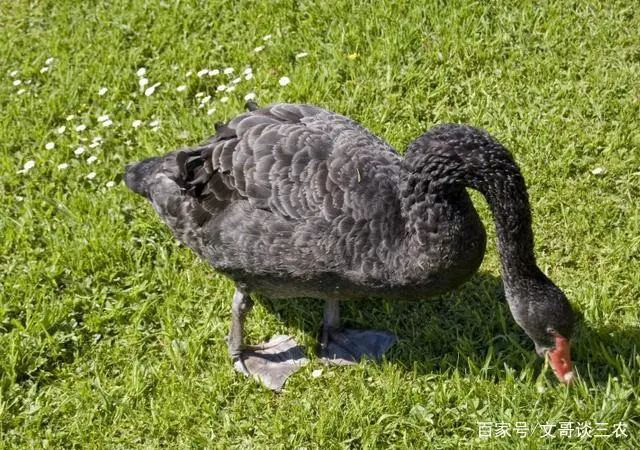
(470, 330)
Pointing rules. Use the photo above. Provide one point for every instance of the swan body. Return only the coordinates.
(296, 201)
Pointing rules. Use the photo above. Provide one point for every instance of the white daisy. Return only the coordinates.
(70, 117)
(103, 118)
(29, 165)
(136, 123)
(202, 73)
(141, 72)
(17, 82)
(230, 89)
(258, 49)
(181, 88)
(154, 124)
(102, 91)
(49, 145)
(79, 151)
(598, 171)
(110, 184)
(143, 82)
(188, 74)
(81, 127)
(301, 55)
(205, 99)
(91, 175)
(266, 37)
(228, 71)
(236, 80)
(14, 74)
(221, 88)
(91, 159)
(94, 145)
(61, 129)
(44, 69)
(211, 111)
(150, 90)
(248, 76)
(214, 72)
(21, 91)
(284, 81)
(199, 94)
(250, 96)
(63, 166)
(224, 99)
(107, 123)
(49, 61)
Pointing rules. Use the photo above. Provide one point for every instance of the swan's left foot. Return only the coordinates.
(272, 362)
(342, 346)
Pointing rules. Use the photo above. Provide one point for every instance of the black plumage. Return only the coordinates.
(297, 201)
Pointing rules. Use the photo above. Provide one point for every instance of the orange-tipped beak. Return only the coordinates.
(560, 359)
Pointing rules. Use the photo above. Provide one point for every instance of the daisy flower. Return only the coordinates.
(284, 81)
(150, 90)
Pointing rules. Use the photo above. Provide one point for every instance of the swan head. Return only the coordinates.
(544, 313)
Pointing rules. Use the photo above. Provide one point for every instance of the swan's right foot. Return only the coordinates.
(343, 346)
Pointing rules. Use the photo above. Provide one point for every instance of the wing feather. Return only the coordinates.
(299, 161)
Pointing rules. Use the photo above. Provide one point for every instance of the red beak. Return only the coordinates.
(560, 359)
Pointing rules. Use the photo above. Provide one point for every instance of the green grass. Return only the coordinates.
(112, 335)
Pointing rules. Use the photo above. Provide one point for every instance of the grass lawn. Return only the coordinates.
(112, 334)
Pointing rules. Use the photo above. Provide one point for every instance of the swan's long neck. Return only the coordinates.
(451, 157)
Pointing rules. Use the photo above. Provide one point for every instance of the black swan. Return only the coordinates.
(296, 201)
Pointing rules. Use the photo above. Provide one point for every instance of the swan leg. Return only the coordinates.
(272, 362)
(342, 346)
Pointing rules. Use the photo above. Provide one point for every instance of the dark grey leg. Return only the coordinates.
(242, 304)
(272, 362)
(342, 346)
(331, 321)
